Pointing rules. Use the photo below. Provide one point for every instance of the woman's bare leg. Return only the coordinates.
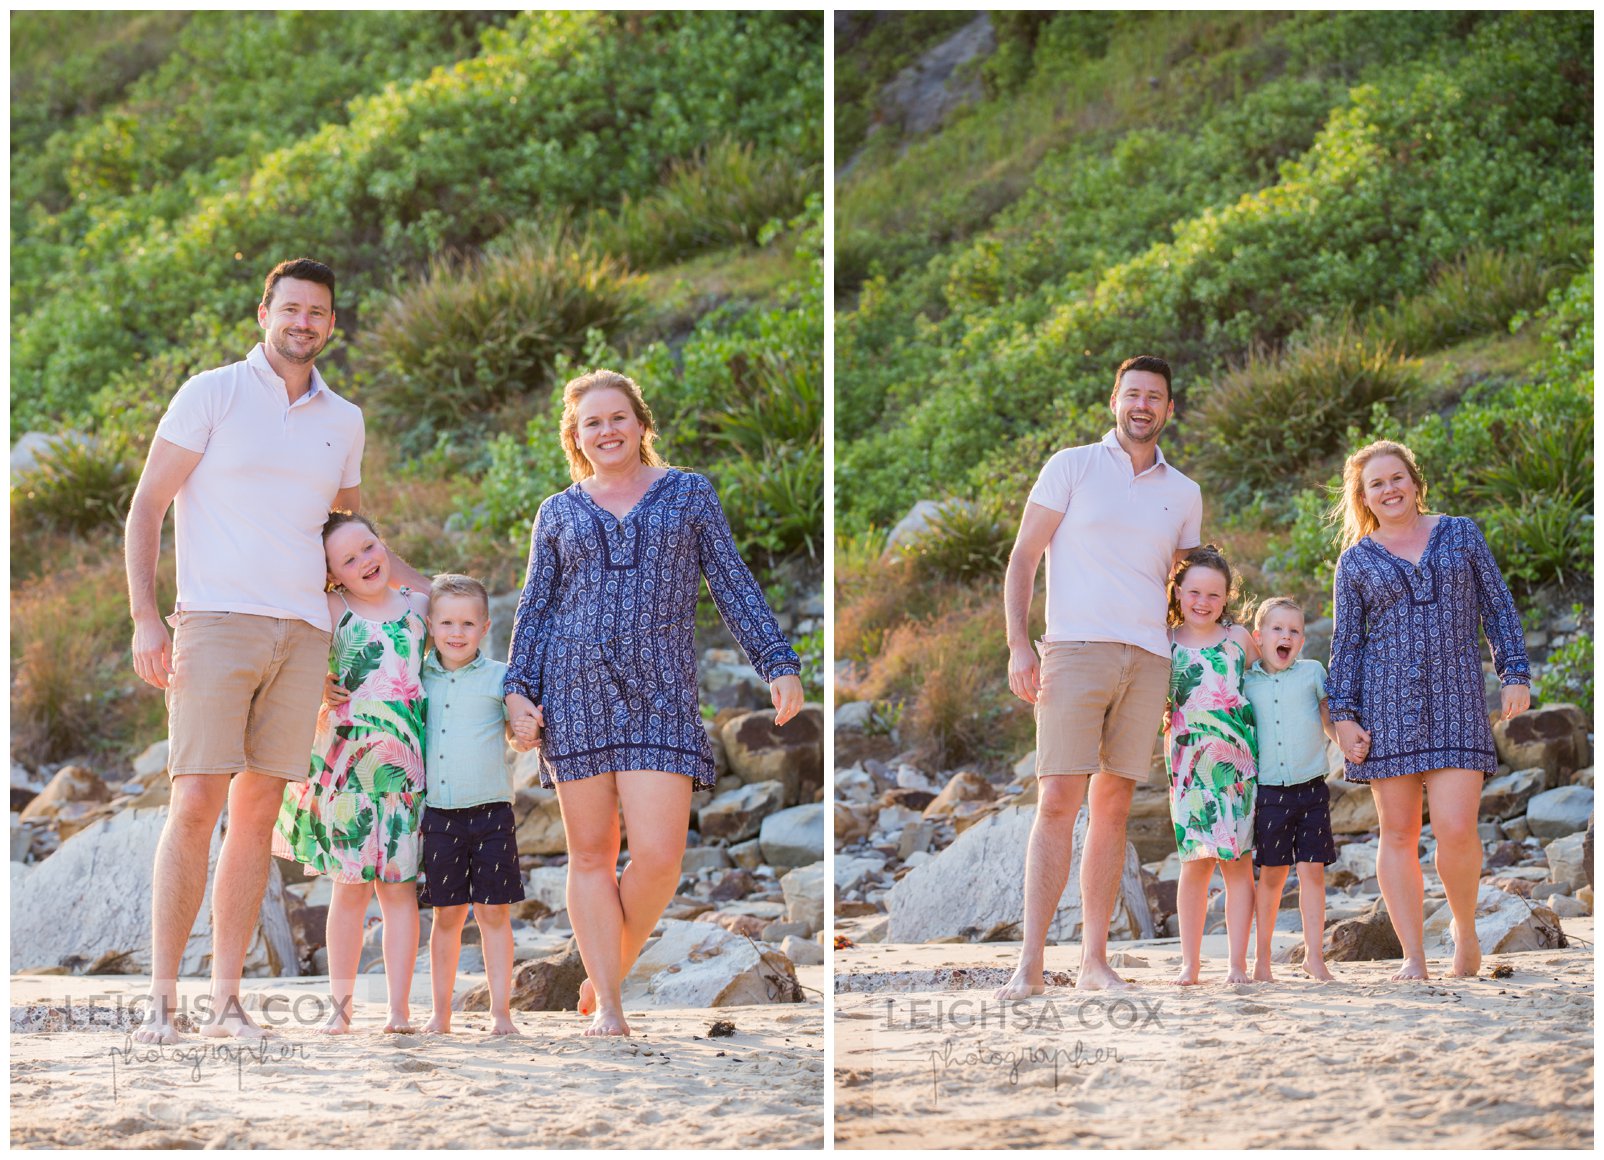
(1398, 801)
(1455, 798)
(590, 824)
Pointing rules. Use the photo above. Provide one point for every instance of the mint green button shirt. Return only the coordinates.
(465, 743)
(1286, 714)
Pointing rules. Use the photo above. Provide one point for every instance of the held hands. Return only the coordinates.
(787, 694)
(153, 653)
(1517, 699)
(1353, 741)
(333, 692)
(525, 720)
(1024, 673)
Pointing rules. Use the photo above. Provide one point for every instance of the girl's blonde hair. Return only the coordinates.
(601, 380)
(1349, 510)
(1208, 556)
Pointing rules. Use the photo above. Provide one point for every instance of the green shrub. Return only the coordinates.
(1567, 675)
(964, 541)
(78, 486)
(1477, 293)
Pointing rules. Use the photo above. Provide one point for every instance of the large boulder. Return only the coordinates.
(539, 822)
(791, 754)
(1505, 922)
(726, 680)
(1554, 737)
(1365, 938)
(804, 896)
(1355, 862)
(1355, 812)
(975, 889)
(793, 837)
(1567, 860)
(1558, 812)
(852, 821)
(1506, 796)
(548, 885)
(88, 905)
(152, 763)
(963, 786)
(738, 814)
(72, 785)
(700, 964)
(545, 984)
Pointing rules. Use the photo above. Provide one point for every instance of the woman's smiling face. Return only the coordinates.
(609, 430)
(1389, 490)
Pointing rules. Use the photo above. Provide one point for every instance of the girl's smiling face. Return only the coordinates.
(358, 561)
(609, 430)
(1202, 596)
(1389, 490)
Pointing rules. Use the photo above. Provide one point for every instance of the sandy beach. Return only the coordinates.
(925, 1058)
(670, 1086)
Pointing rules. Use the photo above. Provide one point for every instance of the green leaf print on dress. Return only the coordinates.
(1211, 757)
(356, 818)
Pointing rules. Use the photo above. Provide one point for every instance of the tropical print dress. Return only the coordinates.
(1212, 754)
(356, 817)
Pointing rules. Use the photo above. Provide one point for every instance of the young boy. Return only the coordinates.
(1292, 820)
(470, 853)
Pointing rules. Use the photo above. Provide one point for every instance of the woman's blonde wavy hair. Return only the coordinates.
(600, 380)
(1349, 511)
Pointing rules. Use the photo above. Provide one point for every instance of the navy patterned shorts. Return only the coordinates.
(1292, 823)
(471, 855)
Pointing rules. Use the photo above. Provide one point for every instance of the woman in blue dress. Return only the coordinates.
(1411, 591)
(604, 646)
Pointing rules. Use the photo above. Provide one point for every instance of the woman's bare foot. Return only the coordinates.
(1262, 971)
(1188, 976)
(587, 998)
(1411, 970)
(1101, 977)
(503, 1025)
(1316, 969)
(439, 1024)
(1238, 975)
(399, 1023)
(608, 1023)
(1022, 985)
(1467, 954)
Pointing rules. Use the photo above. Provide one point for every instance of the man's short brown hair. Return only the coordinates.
(303, 269)
(456, 584)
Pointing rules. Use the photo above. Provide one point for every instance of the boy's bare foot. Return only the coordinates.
(1412, 969)
(1188, 975)
(587, 998)
(1262, 971)
(608, 1023)
(438, 1024)
(232, 1023)
(1467, 954)
(1238, 975)
(1316, 969)
(1101, 977)
(503, 1025)
(399, 1023)
(1022, 985)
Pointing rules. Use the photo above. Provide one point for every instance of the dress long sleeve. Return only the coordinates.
(527, 653)
(739, 599)
(1500, 619)
(1347, 644)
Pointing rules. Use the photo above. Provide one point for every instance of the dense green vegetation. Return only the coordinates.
(507, 199)
(1336, 226)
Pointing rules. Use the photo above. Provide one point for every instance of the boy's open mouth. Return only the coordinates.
(1283, 652)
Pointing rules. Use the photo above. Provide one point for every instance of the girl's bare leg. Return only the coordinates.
(348, 908)
(1312, 906)
(1398, 801)
(1238, 875)
(1191, 910)
(398, 901)
(445, 952)
(1266, 905)
(495, 936)
(1455, 796)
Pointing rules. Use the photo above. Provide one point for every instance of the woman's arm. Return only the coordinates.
(1500, 620)
(527, 653)
(739, 599)
(1347, 643)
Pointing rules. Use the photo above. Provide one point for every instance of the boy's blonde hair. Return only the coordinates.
(456, 584)
(1271, 605)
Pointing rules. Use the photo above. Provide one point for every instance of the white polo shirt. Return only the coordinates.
(1109, 560)
(250, 516)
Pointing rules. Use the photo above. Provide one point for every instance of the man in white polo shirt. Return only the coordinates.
(254, 454)
(1112, 518)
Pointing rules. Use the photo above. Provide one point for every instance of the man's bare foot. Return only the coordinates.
(1262, 971)
(399, 1023)
(232, 1023)
(1238, 975)
(1188, 975)
(438, 1024)
(1467, 954)
(156, 1030)
(1101, 977)
(1412, 969)
(587, 998)
(503, 1025)
(1316, 969)
(608, 1023)
(1022, 985)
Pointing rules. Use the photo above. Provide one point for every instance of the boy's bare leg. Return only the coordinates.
(1238, 875)
(398, 902)
(445, 952)
(1312, 905)
(1101, 866)
(495, 936)
(242, 869)
(177, 886)
(1048, 858)
(1266, 905)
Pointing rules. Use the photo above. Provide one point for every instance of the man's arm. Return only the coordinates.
(402, 574)
(166, 469)
(1036, 530)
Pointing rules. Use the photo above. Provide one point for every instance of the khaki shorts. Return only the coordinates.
(244, 694)
(1100, 708)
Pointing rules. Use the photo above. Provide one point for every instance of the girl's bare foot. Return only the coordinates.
(1412, 969)
(1317, 969)
(1188, 975)
(339, 1023)
(587, 998)
(503, 1025)
(1101, 977)
(1262, 971)
(1467, 954)
(1022, 985)
(399, 1023)
(438, 1024)
(1238, 975)
(608, 1023)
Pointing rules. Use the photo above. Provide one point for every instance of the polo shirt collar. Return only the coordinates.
(432, 663)
(1111, 441)
(258, 362)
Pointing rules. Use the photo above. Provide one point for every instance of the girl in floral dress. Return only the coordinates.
(356, 817)
(1211, 758)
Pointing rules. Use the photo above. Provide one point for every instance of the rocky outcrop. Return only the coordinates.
(699, 964)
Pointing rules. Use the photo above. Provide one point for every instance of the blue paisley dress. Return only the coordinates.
(605, 634)
(1406, 651)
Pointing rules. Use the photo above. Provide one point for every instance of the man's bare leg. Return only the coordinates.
(1047, 861)
(242, 869)
(1101, 865)
(177, 886)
